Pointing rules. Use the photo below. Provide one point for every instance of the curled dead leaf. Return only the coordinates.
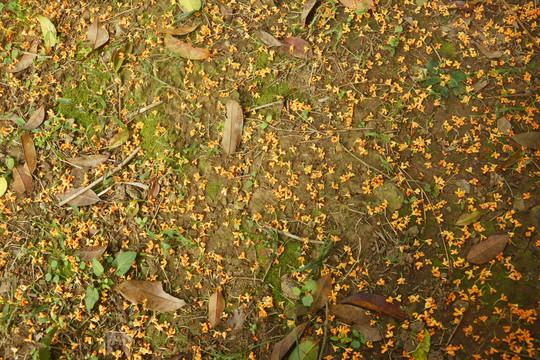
(88, 160)
(184, 50)
(232, 134)
(528, 139)
(22, 180)
(298, 47)
(216, 306)
(96, 36)
(320, 296)
(177, 31)
(488, 249)
(375, 302)
(36, 119)
(30, 155)
(268, 39)
(151, 294)
(89, 197)
(308, 7)
(282, 347)
(25, 61)
(495, 54)
(90, 252)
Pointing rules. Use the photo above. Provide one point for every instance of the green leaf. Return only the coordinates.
(394, 42)
(310, 285)
(44, 353)
(120, 55)
(432, 80)
(459, 75)
(306, 350)
(3, 186)
(49, 32)
(98, 268)
(422, 351)
(307, 300)
(91, 298)
(444, 91)
(296, 291)
(190, 5)
(10, 163)
(432, 66)
(124, 261)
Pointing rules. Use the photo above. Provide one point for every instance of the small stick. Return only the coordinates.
(100, 179)
(292, 236)
(266, 105)
(325, 337)
(454, 332)
(144, 109)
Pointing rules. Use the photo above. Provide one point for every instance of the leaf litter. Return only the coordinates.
(150, 294)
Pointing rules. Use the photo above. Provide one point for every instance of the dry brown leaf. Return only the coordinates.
(25, 61)
(488, 249)
(232, 134)
(360, 5)
(320, 296)
(29, 152)
(375, 302)
(177, 31)
(96, 36)
(154, 189)
(88, 160)
(461, 5)
(226, 11)
(18, 183)
(469, 218)
(184, 50)
(488, 53)
(216, 306)
(36, 119)
(308, 6)
(356, 316)
(281, 348)
(89, 197)
(151, 294)
(89, 252)
(530, 140)
(119, 139)
(268, 39)
(298, 47)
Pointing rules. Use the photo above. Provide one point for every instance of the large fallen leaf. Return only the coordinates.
(528, 139)
(29, 152)
(360, 5)
(306, 350)
(422, 351)
(268, 39)
(89, 197)
(96, 36)
(154, 190)
(49, 32)
(298, 47)
(120, 55)
(151, 294)
(22, 180)
(216, 305)
(308, 7)
(3, 186)
(282, 348)
(320, 295)
(90, 252)
(495, 54)
(190, 5)
(226, 11)
(177, 31)
(488, 249)
(232, 134)
(88, 160)
(357, 317)
(184, 50)
(512, 159)
(470, 218)
(36, 119)
(375, 302)
(119, 139)
(25, 61)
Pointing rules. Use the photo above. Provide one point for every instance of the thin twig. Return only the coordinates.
(144, 109)
(325, 337)
(292, 236)
(454, 332)
(266, 105)
(100, 179)
(365, 163)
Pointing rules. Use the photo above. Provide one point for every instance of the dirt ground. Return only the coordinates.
(399, 159)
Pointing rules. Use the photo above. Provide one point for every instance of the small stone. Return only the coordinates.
(390, 193)
(413, 231)
(504, 126)
(417, 326)
(463, 185)
(461, 304)
(519, 204)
